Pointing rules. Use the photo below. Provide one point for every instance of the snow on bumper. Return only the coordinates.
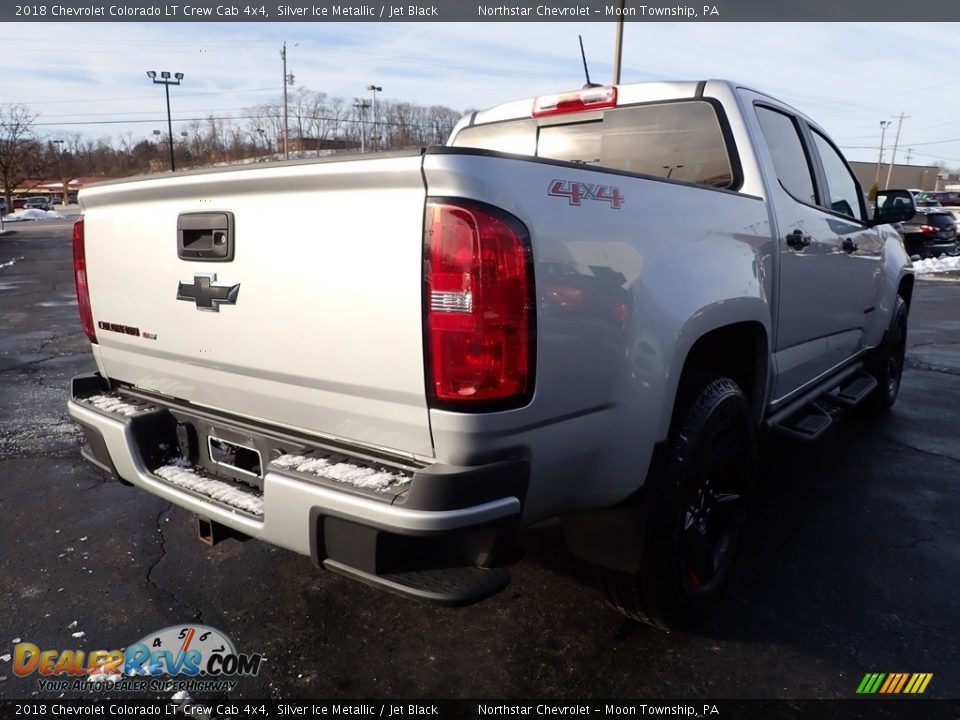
(285, 513)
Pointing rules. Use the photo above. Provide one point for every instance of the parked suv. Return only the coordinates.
(36, 203)
(931, 232)
(947, 198)
(926, 199)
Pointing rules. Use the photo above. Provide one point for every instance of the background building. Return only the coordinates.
(921, 177)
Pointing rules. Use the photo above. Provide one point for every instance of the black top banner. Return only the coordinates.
(476, 11)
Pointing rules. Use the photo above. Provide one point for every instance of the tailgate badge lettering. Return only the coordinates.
(205, 294)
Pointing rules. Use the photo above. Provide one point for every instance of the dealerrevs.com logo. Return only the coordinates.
(201, 658)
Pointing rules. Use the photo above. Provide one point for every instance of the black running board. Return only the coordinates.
(454, 586)
(853, 392)
(811, 415)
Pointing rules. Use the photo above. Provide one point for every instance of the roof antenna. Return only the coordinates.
(585, 70)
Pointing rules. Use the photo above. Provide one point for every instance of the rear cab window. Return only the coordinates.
(681, 140)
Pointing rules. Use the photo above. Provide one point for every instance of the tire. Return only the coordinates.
(886, 365)
(696, 511)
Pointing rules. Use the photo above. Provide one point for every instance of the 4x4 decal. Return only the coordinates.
(577, 192)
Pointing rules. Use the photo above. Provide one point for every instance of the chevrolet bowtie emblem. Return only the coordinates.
(205, 294)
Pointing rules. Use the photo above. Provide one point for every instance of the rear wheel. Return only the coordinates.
(695, 515)
(886, 365)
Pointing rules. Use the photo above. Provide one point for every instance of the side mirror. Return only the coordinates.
(894, 206)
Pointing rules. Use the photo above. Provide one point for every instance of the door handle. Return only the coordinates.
(798, 240)
(848, 245)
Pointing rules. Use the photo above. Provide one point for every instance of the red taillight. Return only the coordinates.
(480, 310)
(929, 229)
(80, 278)
(596, 98)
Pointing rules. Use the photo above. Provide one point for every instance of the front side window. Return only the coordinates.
(843, 194)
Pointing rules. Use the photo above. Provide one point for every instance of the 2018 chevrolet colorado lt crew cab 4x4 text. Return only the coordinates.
(584, 306)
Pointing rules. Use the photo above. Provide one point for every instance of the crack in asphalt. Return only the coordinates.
(43, 348)
(71, 454)
(29, 364)
(196, 613)
(906, 446)
(934, 342)
(908, 545)
(918, 365)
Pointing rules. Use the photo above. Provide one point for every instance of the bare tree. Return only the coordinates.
(17, 147)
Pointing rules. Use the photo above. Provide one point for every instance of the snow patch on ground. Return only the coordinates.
(936, 265)
(361, 477)
(11, 263)
(55, 303)
(215, 489)
(108, 403)
(33, 214)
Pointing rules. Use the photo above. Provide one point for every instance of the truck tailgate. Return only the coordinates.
(324, 331)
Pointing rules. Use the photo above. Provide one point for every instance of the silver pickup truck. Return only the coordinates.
(585, 306)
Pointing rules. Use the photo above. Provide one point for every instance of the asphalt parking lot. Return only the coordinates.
(853, 564)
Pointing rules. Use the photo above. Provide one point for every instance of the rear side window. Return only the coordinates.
(789, 159)
(678, 140)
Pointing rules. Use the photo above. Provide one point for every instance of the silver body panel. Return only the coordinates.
(326, 337)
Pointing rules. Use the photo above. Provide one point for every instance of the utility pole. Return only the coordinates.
(909, 153)
(884, 124)
(63, 180)
(361, 105)
(618, 44)
(376, 130)
(287, 80)
(893, 156)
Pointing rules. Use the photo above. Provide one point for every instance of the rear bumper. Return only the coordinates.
(432, 519)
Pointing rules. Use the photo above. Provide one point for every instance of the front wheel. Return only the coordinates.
(696, 511)
(886, 364)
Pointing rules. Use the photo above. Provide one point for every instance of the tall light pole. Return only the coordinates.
(167, 82)
(63, 180)
(361, 105)
(884, 124)
(376, 135)
(287, 80)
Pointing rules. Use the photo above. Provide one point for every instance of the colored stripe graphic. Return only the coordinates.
(894, 683)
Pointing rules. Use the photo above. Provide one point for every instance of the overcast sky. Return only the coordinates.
(846, 77)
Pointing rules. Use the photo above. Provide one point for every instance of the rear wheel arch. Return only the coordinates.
(739, 351)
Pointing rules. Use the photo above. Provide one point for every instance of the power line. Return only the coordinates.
(89, 100)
